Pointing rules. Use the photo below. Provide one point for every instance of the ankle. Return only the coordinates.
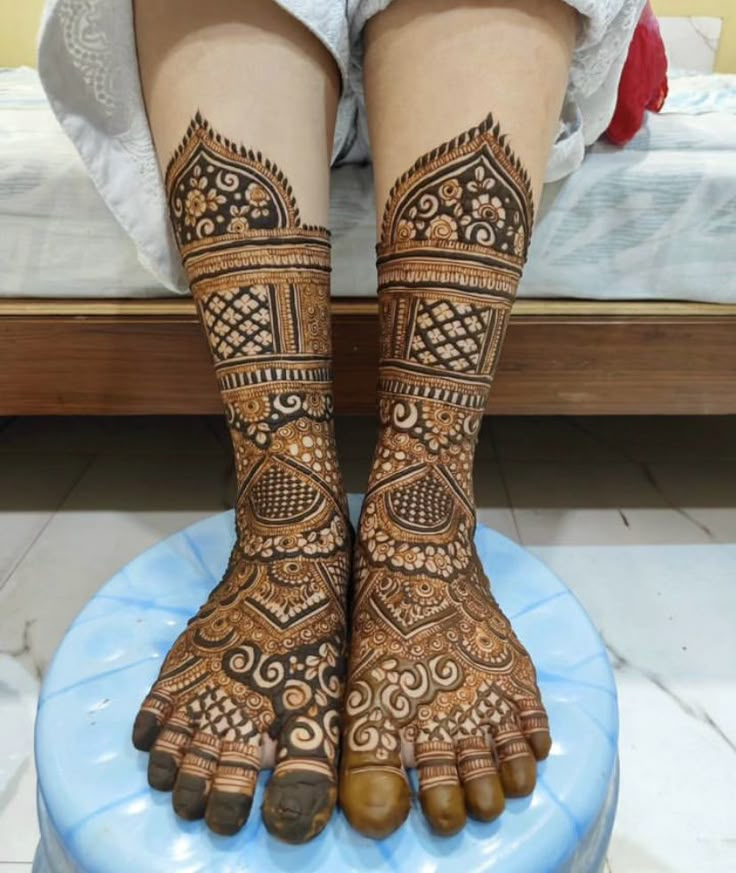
(427, 433)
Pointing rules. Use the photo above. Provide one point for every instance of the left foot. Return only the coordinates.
(435, 666)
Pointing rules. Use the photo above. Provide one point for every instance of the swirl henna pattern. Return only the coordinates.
(264, 657)
(435, 666)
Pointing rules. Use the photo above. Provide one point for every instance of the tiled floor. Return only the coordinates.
(637, 516)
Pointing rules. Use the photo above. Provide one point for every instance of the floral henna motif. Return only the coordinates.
(434, 663)
(264, 658)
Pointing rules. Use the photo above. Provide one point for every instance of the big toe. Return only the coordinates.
(298, 804)
(375, 800)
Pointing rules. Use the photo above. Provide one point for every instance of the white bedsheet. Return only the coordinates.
(656, 220)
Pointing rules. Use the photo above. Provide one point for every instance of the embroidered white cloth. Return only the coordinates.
(619, 228)
(88, 66)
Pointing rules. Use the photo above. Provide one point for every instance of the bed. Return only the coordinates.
(628, 303)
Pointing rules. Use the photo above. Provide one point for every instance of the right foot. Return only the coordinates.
(261, 664)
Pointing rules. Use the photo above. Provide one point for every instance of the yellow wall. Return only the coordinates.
(19, 22)
(723, 9)
(18, 25)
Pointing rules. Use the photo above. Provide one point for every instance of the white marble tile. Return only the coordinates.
(96, 434)
(31, 489)
(491, 498)
(594, 503)
(559, 438)
(691, 43)
(18, 824)
(666, 613)
(121, 506)
(704, 491)
(18, 699)
(675, 813)
(664, 438)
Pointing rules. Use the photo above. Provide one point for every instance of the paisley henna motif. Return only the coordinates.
(434, 663)
(265, 655)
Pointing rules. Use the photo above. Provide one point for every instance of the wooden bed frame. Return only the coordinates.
(561, 357)
(81, 356)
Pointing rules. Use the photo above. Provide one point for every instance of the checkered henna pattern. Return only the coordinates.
(435, 667)
(265, 656)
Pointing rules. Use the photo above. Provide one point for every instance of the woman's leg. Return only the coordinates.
(241, 98)
(434, 665)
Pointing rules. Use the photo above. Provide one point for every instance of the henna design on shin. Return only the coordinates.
(265, 655)
(433, 660)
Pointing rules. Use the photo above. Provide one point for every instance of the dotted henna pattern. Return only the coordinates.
(265, 656)
(434, 663)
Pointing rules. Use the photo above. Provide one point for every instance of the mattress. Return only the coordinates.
(653, 221)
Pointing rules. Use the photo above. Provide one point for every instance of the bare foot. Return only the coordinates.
(435, 666)
(262, 662)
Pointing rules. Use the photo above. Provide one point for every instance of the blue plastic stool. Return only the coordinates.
(98, 815)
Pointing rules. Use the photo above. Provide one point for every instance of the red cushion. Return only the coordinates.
(643, 82)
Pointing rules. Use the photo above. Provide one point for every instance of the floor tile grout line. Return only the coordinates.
(653, 481)
(610, 444)
(648, 474)
(504, 483)
(52, 515)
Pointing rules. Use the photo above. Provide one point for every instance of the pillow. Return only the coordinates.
(643, 84)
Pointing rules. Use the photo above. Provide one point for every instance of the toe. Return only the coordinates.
(440, 793)
(299, 799)
(195, 777)
(231, 797)
(444, 809)
(519, 776)
(517, 766)
(540, 744)
(168, 753)
(155, 710)
(484, 795)
(374, 793)
(190, 796)
(535, 726)
(227, 811)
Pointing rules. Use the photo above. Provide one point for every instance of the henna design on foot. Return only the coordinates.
(263, 659)
(434, 663)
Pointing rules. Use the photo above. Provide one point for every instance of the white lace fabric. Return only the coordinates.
(89, 70)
